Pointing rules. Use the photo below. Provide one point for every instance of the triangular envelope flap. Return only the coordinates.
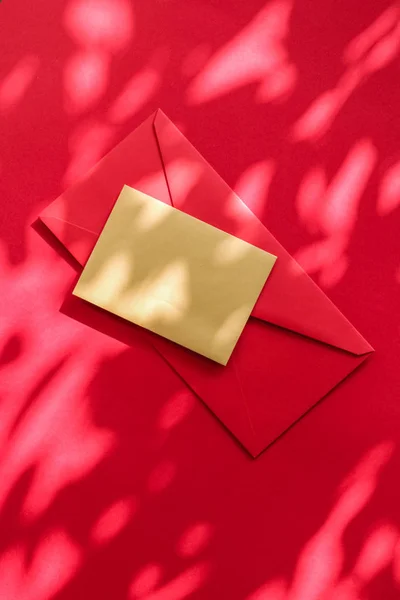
(217, 386)
(78, 216)
(270, 381)
(290, 298)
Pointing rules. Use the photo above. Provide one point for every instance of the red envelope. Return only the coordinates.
(296, 347)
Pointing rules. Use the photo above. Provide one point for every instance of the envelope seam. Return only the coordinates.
(162, 159)
(244, 399)
(69, 223)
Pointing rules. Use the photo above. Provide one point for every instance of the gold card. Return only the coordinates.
(174, 275)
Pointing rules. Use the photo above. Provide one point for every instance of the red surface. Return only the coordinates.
(104, 494)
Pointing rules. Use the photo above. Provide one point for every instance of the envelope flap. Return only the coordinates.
(290, 298)
(78, 216)
(78, 241)
(219, 387)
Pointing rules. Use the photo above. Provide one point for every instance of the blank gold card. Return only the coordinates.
(174, 275)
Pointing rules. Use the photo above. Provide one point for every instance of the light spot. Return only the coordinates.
(87, 144)
(345, 192)
(184, 176)
(85, 80)
(377, 553)
(372, 34)
(230, 250)
(273, 590)
(163, 297)
(232, 325)
(150, 216)
(176, 410)
(194, 540)
(154, 184)
(384, 52)
(16, 84)
(55, 562)
(181, 587)
(113, 521)
(396, 563)
(279, 85)
(389, 191)
(105, 24)
(110, 281)
(311, 196)
(12, 573)
(135, 95)
(318, 255)
(256, 55)
(162, 476)
(348, 588)
(253, 186)
(66, 461)
(145, 581)
(318, 118)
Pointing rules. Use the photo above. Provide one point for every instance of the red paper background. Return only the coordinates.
(115, 482)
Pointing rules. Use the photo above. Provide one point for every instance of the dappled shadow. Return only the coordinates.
(136, 500)
(172, 509)
(115, 481)
(11, 351)
(322, 569)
